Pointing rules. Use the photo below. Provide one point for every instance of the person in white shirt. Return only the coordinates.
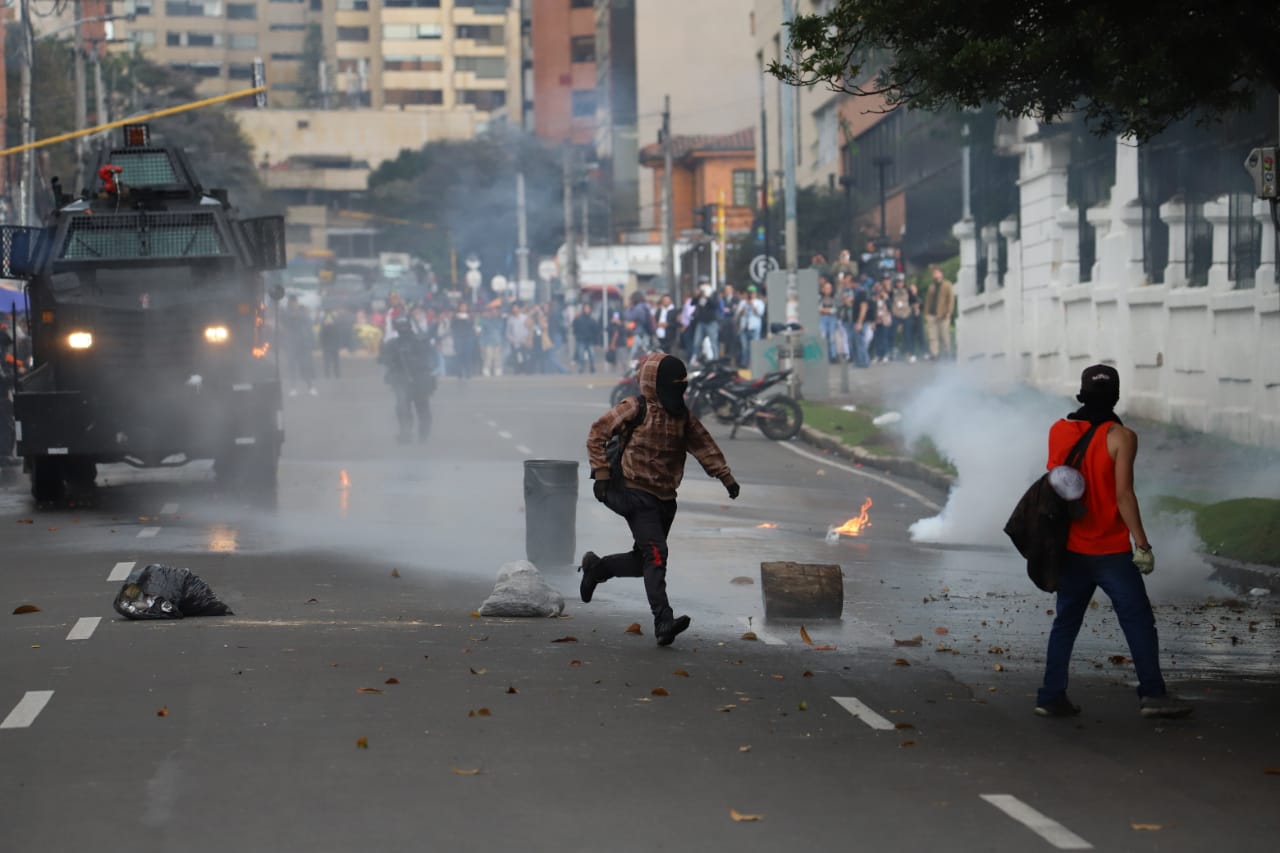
(750, 317)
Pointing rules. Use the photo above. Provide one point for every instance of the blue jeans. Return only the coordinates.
(859, 345)
(1122, 582)
(829, 327)
(747, 336)
(707, 330)
(584, 355)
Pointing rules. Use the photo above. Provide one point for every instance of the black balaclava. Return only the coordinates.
(672, 379)
(1099, 392)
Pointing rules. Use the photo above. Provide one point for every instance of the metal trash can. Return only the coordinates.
(550, 512)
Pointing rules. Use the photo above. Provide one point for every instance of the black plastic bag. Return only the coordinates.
(163, 592)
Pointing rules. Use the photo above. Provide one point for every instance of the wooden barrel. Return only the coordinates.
(802, 590)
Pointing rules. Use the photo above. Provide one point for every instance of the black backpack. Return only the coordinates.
(617, 443)
(1041, 521)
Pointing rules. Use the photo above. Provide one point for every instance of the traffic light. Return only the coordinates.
(704, 218)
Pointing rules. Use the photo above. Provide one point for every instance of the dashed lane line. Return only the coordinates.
(84, 627)
(169, 509)
(120, 572)
(860, 710)
(27, 709)
(1047, 828)
(885, 481)
(502, 433)
(524, 451)
(148, 532)
(761, 634)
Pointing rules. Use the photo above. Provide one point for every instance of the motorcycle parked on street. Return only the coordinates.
(717, 389)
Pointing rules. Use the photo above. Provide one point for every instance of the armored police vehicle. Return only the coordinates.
(148, 323)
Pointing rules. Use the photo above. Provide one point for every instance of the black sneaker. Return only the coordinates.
(1167, 706)
(588, 585)
(1060, 707)
(666, 631)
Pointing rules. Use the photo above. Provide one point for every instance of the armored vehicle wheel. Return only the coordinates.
(48, 484)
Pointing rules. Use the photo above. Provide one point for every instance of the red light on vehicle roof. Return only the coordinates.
(137, 134)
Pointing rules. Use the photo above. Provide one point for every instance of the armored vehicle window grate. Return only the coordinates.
(151, 235)
(145, 168)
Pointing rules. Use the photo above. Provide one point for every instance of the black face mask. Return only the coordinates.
(672, 379)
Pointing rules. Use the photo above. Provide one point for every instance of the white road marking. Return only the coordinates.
(84, 627)
(121, 571)
(148, 532)
(502, 433)
(520, 448)
(831, 463)
(1050, 830)
(761, 634)
(862, 712)
(169, 509)
(492, 424)
(27, 709)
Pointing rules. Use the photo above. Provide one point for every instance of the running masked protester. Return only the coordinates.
(1099, 548)
(410, 360)
(656, 431)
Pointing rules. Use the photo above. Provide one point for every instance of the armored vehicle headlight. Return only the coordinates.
(216, 334)
(80, 340)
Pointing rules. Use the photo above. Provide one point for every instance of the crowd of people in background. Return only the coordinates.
(868, 313)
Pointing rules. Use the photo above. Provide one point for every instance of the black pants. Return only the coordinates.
(650, 521)
(412, 398)
(332, 367)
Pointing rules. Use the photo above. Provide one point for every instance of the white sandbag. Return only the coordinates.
(521, 591)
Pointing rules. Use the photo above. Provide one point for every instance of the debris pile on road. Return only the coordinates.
(521, 591)
(165, 592)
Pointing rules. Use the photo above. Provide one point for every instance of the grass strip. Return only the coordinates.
(1245, 529)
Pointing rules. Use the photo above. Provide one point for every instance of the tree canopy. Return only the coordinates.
(467, 189)
(1131, 67)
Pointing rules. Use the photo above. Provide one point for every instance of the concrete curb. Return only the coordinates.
(900, 465)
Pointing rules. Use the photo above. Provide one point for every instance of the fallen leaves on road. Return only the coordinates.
(475, 614)
(804, 635)
(480, 712)
(778, 676)
(26, 521)
(739, 817)
(1146, 827)
(634, 628)
(746, 747)
(368, 689)
(565, 640)
(362, 743)
(995, 650)
(312, 601)
(1119, 660)
(163, 712)
(659, 691)
(803, 706)
(25, 608)
(940, 631)
(907, 744)
(824, 648)
(724, 709)
(480, 671)
(392, 680)
(999, 667)
(1271, 771)
(459, 771)
(806, 674)
(903, 726)
(750, 635)
(743, 580)
(913, 642)
(901, 662)
(511, 689)
(575, 663)
(683, 673)
(395, 573)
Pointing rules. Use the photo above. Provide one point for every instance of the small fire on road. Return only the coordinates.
(344, 482)
(768, 525)
(855, 525)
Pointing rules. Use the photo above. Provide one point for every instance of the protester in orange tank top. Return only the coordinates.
(1098, 551)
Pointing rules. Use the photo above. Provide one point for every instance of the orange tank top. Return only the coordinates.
(1101, 530)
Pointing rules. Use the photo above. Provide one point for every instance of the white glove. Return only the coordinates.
(1145, 560)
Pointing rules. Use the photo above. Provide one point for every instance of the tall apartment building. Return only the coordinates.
(563, 43)
(392, 54)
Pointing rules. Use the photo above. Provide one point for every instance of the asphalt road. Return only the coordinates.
(250, 732)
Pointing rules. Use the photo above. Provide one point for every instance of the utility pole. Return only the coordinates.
(99, 93)
(668, 238)
(27, 179)
(789, 161)
(522, 234)
(764, 158)
(570, 276)
(80, 83)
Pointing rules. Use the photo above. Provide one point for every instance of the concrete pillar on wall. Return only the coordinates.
(1173, 213)
(1131, 272)
(1067, 250)
(1266, 277)
(1008, 229)
(992, 249)
(1218, 214)
(1100, 218)
(967, 277)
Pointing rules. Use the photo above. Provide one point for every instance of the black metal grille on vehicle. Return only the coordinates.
(145, 167)
(143, 235)
(149, 341)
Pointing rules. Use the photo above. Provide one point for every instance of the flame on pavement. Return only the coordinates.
(344, 482)
(858, 523)
(768, 525)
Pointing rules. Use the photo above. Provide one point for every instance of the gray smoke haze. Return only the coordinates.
(998, 444)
